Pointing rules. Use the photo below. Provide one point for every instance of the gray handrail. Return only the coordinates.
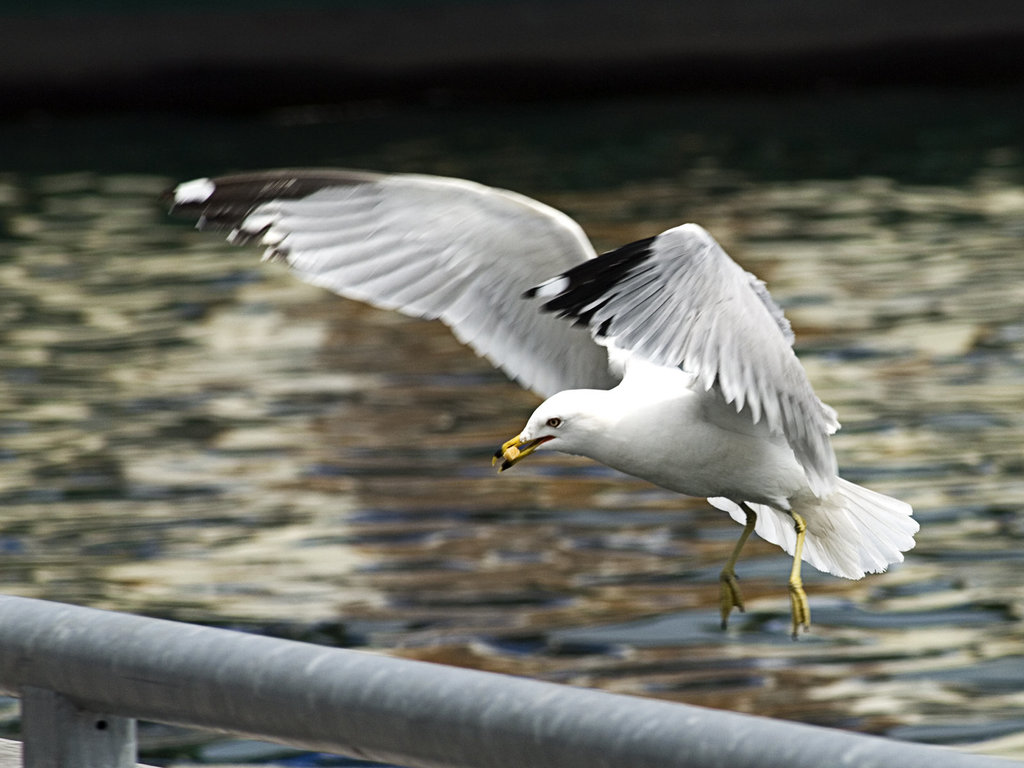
(395, 710)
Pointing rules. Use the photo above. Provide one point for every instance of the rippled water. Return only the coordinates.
(188, 433)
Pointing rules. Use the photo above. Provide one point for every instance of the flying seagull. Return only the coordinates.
(663, 358)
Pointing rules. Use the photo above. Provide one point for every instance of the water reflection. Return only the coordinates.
(188, 433)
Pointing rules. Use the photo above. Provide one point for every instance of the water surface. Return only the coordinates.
(188, 433)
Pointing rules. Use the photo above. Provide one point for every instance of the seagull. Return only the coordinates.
(663, 359)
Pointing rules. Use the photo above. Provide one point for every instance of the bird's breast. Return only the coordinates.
(669, 442)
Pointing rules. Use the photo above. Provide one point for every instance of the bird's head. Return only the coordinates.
(565, 422)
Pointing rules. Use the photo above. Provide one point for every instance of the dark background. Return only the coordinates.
(60, 58)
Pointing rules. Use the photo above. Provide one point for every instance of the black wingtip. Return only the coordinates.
(582, 291)
(225, 201)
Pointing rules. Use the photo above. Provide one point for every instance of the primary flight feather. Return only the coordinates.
(663, 358)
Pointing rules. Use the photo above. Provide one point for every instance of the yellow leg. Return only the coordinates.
(729, 588)
(797, 596)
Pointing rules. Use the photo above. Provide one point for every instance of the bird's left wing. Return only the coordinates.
(426, 246)
(677, 299)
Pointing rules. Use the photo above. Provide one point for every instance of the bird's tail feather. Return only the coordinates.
(850, 533)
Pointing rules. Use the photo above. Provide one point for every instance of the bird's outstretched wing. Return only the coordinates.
(425, 246)
(677, 299)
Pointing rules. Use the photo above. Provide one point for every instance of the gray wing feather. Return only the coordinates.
(678, 299)
(426, 246)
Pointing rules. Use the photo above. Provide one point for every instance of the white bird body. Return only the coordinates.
(689, 440)
(689, 437)
(663, 359)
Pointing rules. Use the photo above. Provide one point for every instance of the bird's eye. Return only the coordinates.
(554, 422)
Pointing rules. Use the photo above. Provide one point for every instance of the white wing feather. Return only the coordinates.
(425, 246)
(678, 299)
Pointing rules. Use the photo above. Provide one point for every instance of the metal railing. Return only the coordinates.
(85, 675)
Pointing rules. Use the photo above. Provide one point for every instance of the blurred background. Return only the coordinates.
(190, 434)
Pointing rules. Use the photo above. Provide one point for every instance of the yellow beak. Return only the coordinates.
(515, 450)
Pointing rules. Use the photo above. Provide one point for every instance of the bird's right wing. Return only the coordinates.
(426, 246)
(677, 299)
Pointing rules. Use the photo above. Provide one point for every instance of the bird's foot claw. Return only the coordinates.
(729, 595)
(800, 608)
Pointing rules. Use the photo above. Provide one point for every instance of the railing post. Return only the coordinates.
(58, 734)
